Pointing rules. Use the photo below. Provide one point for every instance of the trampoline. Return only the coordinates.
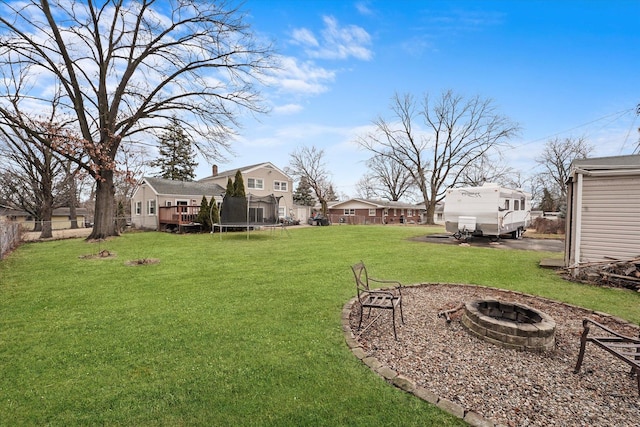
(249, 213)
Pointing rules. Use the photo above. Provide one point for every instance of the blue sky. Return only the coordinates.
(558, 68)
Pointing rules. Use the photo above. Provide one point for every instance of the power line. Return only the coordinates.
(633, 123)
(617, 114)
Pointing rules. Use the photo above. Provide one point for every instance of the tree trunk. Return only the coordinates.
(73, 215)
(46, 212)
(104, 224)
(73, 203)
(431, 213)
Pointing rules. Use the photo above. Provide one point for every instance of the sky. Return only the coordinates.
(560, 69)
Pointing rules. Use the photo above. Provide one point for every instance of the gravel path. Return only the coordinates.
(507, 387)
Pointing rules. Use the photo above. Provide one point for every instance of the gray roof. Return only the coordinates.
(232, 172)
(184, 188)
(614, 162)
(377, 203)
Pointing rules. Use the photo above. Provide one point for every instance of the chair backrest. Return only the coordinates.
(362, 279)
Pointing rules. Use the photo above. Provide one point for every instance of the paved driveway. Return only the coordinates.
(550, 245)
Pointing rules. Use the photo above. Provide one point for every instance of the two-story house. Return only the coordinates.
(162, 204)
(261, 179)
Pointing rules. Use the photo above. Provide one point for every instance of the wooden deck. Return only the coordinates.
(177, 217)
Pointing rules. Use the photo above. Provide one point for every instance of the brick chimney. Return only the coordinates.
(214, 170)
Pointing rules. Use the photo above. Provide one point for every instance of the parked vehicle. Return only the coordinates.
(490, 210)
(287, 220)
(318, 219)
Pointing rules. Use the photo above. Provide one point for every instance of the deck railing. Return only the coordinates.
(179, 215)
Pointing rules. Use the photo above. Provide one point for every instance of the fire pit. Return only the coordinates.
(510, 325)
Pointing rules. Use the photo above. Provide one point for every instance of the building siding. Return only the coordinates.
(610, 220)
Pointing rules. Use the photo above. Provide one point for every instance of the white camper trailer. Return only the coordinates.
(489, 210)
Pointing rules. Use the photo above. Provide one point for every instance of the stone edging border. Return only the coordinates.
(408, 385)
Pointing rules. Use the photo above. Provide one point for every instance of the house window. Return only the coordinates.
(281, 212)
(256, 215)
(350, 212)
(151, 207)
(372, 212)
(138, 208)
(255, 183)
(168, 203)
(279, 186)
(183, 205)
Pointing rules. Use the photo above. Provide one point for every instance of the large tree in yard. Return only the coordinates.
(176, 161)
(455, 133)
(556, 159)
(307, 163)
(125, 68)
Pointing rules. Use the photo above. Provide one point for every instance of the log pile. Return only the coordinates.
(616, 273)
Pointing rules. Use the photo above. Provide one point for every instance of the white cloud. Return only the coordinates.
(336, 42)
(363, 8)
(298, 77)
(287, 109)
(304, 37)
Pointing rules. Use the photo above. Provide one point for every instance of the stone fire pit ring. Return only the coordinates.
(510, 325)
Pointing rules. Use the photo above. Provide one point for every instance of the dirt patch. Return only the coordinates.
(34, 236)
(103, 254)
(142, 261)
(526, 243)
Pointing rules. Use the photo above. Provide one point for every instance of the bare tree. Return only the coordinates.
(458, 132)
(38, 176)
(124, 69)
(487, 169)
(386, 178)
(556, 161)
(366, 188)
(308, 163)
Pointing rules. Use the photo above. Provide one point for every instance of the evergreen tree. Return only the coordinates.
(229, 191)
(214, 212)
(203, 214)
(176, 154)
(547, 204)
(303, 195)
(331, 194)
(238, 185)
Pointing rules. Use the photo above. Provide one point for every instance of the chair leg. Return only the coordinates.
(360, 322)
(401, 316)
(583, 343)
(393, 315)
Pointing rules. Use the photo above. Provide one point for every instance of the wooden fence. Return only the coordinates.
(9, 237)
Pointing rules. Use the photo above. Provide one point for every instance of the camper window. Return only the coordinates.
(506, 204)
(522, 203)
(516, 205)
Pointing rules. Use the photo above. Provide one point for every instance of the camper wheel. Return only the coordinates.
(463, 236)
(517, 234)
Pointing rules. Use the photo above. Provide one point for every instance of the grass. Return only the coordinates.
(226, 331)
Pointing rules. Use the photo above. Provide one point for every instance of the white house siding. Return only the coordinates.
(610, 223)
(143, 220)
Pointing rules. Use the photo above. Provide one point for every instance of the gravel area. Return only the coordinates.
(507, 387)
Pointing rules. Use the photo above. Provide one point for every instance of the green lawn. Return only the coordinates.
(230, 331)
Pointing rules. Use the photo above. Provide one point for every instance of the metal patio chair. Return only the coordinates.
(383, 299)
